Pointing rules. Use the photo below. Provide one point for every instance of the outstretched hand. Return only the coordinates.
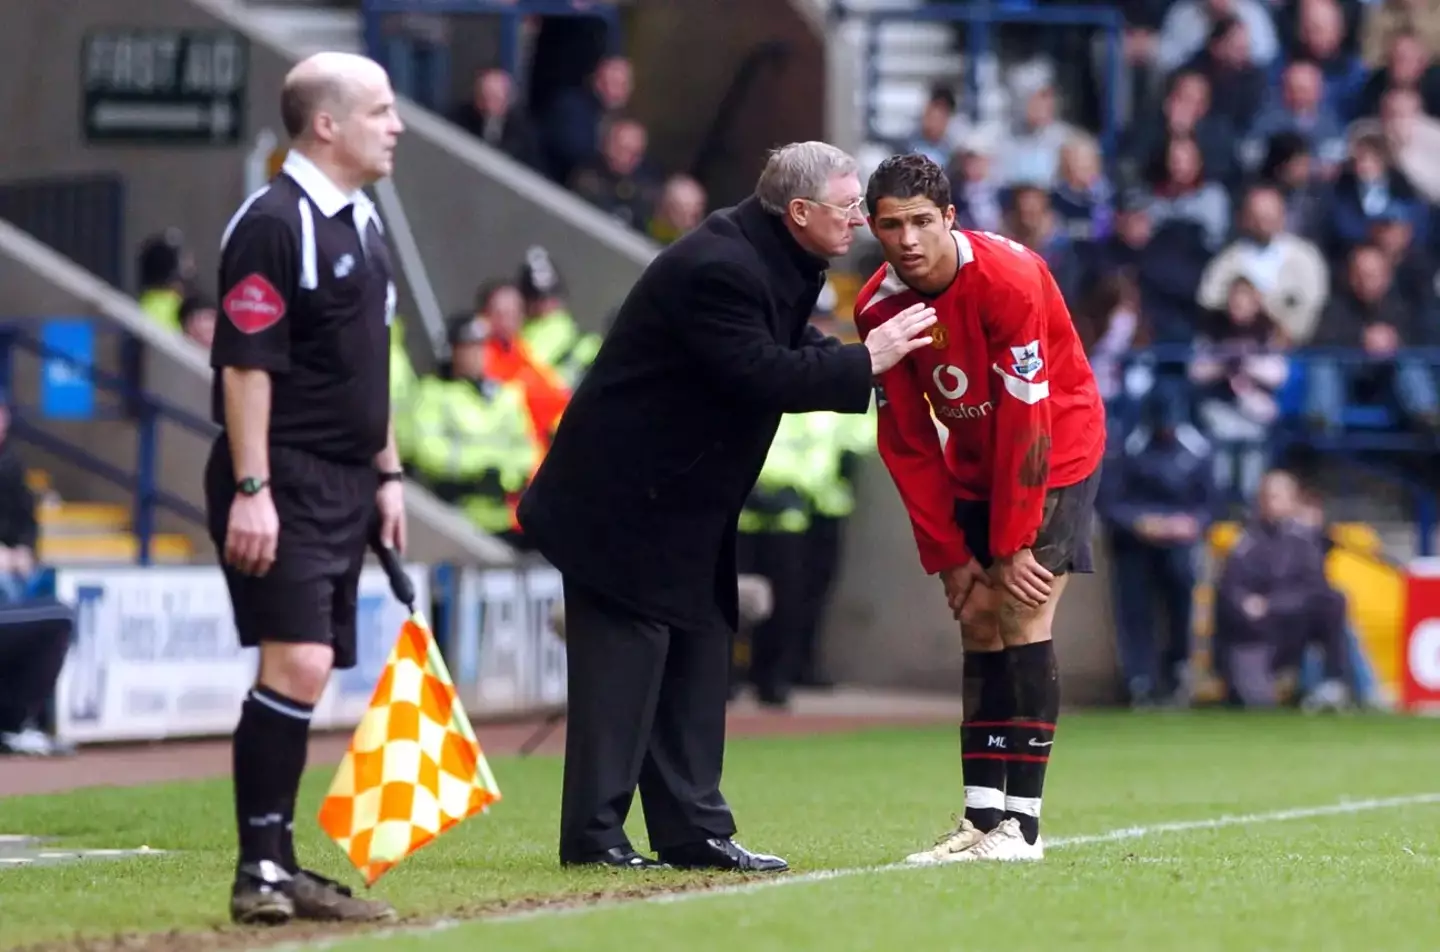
(893, 340)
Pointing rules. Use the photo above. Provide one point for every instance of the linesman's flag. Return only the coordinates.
(414, 768)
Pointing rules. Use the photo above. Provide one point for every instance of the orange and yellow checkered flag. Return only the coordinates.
(414, 768)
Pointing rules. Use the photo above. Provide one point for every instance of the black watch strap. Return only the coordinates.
(251, 485)
(392, 475)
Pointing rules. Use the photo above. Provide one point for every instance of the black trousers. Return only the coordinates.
(822, 565)
(646, 706)
(34, 640)
(777, 643)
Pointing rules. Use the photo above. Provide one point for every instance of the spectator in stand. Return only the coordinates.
(1157, 499)
(975, 189)
(1408, 65)
(197, 319)
(34, 633)
(166, 269)
(1368, 188)
(1412, 263)
(1273, 602)
(468, 437)
(1310, 516)
(1183, 190)
(1237, 85)
(935, 138)
(1186, 113)
(493, 117)
(1298, 106)
(1109, 322)
(1165, 262)
(1307, 197)
(1386, 19)
(1238, 367)
(682, 207)
(571, 130)
(550, 332)
(1033, 223)
(1083, 198)
(1032, 153)
(1188, 21)
(499, 317)
(1320, 39)
(620, 181)
(1412, 138)
(1369, 314)
(1289, 271)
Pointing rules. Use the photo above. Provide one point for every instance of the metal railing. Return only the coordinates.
(1369, 438)
(512, 13)
(979, 18)
(138, 407)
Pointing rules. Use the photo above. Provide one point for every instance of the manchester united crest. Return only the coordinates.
(939, 336)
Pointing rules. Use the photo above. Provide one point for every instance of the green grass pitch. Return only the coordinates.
(1242, 865)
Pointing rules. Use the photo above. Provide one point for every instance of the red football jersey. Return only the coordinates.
(1007, 376)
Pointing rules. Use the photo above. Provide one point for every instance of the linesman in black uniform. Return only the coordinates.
(306, 462)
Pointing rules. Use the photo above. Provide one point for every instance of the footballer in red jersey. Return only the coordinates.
(1002, 506)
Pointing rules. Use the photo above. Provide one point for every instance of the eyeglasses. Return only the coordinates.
(856, 207)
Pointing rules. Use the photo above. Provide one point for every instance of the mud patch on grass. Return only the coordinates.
(319, 935)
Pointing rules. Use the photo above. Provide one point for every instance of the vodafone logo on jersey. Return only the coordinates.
(253, 305)
(950, 381)
(952, 384)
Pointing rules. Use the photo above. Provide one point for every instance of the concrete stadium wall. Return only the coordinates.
(473, 210)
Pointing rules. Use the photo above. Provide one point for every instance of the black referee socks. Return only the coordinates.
(271, 743)
(1036, 680)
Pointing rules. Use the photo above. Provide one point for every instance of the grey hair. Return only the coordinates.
(800, 170)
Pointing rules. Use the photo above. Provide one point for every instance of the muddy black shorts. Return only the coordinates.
(1064, 543)
(310, 595)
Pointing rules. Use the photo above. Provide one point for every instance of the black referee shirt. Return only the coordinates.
(307, 293)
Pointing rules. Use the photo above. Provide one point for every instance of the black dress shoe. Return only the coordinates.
(620, 857)
(721, 853)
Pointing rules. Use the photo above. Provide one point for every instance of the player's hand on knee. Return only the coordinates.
(959, 582)
(1024, 578)
(253, 533)
(893, 340)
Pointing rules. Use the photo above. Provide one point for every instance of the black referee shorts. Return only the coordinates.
(1064, 542)
(326, 510)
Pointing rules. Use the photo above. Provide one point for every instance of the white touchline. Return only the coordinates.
(800, 879)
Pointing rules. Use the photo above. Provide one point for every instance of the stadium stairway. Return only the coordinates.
(78, 533)
(312, 26)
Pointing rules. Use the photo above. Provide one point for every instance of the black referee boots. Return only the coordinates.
(265, 894)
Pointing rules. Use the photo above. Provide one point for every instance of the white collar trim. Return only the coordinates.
(325, 193)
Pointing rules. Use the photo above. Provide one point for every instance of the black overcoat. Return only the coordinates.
(641, 490)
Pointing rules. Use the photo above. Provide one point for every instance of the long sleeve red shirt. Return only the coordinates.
(1007, 376)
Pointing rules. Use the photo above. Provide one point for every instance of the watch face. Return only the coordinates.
(250, 485)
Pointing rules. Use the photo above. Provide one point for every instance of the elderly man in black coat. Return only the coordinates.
(637, 501)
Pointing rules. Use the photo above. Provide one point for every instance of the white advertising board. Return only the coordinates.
(155, 653)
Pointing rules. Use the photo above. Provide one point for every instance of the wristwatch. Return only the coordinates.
(391, 476)
(251, 485)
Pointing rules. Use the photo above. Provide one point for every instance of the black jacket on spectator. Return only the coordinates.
(18, 527)
(1159, 475)
(514, 134)
(1167, 271)
(1236, 94)
(1282, 562)
(641, 491)
(571, 131)
(1344, 320)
